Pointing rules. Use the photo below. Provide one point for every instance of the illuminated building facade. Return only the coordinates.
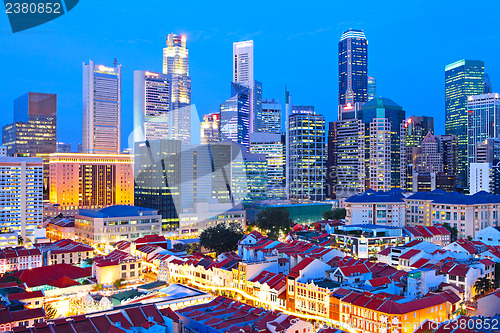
(306, 152)
(372, 88)
(235, 116)
(21, 198)
(272, 146)
(33, 132)
(91, 180)
(116, 223)
(346, 158)
(243, 75)
(353, 67)
(463, 78)
(269, 119)
(101, 132)
(152, 106)
(210, 128)
(249, 177)
(483, 121)
(176, 64)
(63, 147)
(384, 122)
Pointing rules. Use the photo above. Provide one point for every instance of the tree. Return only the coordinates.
(482, 285)
(191, 248)
(221, 237)
(118, 283)
(274, 220)
(89, 261)
(336, 214)
(97, 287)
(12, 278)
(50, 311)
(453, 231)
(20, 240)
(179, 247)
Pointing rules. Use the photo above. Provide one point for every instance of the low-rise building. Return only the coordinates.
(19, 258)
(66, 251)
(204, 215)
(489, 305)
(32, 299)
(61, 228)
(115, 266)
(365, 240)
(436, 234)
(115, 223)
(372, 207)
(489, 236)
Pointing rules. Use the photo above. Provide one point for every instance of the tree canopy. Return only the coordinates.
(273, 220)
(50, 311)
(335, 214)
(452, 230)
(221, 237)
(12, 278)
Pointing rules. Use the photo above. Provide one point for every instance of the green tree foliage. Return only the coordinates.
(221, 237)
(483, 285)
(97, 287)
(274, 220)
(12, 278)
(452, 230)
(89, 261)
(50, 311)
(118, 283)
(179, 247)
(336, 214)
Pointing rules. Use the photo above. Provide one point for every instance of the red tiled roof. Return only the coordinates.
(385, 252)
(150, 239)
(43, 275)
(459, 270)
(420, 262)
(26, 295)
(413, 243)
(379, 281)
(487, 262)
(27, 314)
(66, 246)
(409, 254)
(351, 270)
(302, 265)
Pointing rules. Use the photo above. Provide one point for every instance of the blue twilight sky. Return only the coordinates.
(410, 42)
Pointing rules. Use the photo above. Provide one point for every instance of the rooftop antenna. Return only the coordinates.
(115, 63)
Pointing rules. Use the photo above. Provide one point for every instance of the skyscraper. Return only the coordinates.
(271, 146)
(152, 106)
(483, 121)
(101, 133)
(243, 75)
(34, 130)
(210, 128)
(306, 154)
(269, 120)
(372, 88)
(234, 116)
(91, 180)
(176, 63)
(463, 78)
(21, 205)
(353, 67)
(384, 122)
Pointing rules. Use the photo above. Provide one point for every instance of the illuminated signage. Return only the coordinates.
(348, 106)
(152, 74)
(105, 69)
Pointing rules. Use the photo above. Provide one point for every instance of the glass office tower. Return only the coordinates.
(463, 78)
(353, 67)
(235, 116)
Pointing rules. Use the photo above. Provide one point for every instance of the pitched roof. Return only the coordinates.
(409, 254)
(377, 282)
(355, 269)
(46, 275)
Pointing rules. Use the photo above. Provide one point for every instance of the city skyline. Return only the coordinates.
(212, 73)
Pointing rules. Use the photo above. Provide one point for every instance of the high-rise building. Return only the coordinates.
(484, 173)
(483, 121)
(63, 147)
(101, 133)
(416, 130)
(235, 116)
(384, 122)
(152, 106)
(243, 75)
(345, 175)
(210, 128)
(91, 180)
(306, 154)
(249, 177)
(463, 78)
(34, 130)
(372, 88)
(272, 147)
(269, 119)
(21, 202)
(487, 84)
(448, 146)
(176, 63)
(353, 67)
